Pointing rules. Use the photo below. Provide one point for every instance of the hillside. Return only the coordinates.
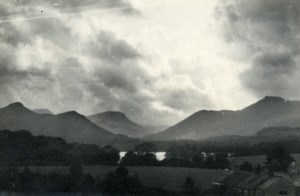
(268, 112)
(22, 148)
(42, 111)
(118, 123)
(71, 126)
(279, 131)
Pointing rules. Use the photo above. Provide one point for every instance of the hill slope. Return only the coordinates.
(268, 112)
(42, 111)
(22, 148)
(118, 123)
(71, 126)
(279, 131)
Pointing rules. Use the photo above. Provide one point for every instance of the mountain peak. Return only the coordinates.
(267, 103)
(15, 105)
(16, 108)
(71, 114)
(273, 99)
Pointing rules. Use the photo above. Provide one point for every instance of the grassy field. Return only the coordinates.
(169, 178)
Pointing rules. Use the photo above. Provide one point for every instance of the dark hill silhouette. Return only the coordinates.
(71, 126)
(118, 123)
(22, 148)
(270, 111)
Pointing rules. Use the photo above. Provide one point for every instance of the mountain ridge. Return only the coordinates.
(268, 111)
(71, 126)
(118, 123)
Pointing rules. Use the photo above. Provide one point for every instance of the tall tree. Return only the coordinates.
(279, 159)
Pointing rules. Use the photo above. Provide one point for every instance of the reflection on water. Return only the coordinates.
(159, 155)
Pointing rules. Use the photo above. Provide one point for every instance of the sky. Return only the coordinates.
(157, 61)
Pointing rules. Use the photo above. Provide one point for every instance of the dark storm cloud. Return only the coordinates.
(118, 78)
(269, 32)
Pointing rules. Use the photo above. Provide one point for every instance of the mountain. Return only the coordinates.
(267, 112)
(42, 111)
(118, 123)
(71, 126)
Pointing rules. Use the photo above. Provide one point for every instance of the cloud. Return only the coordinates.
(110, 49)
(31, 8)
(77, 55)
(268, 34)
(121, 81)
(48, 63)
(36, 56)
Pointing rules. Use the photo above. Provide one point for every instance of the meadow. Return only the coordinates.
(168, 178)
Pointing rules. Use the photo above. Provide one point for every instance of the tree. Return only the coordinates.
(221, 161)
(88, 184)
(279, 159)
(131, 158)
(76, 176)
(119, 182)
(209, 162)
(198, 160)
(145, 147)
(189, 185)
(148, 159)
(247, 166)
(258, 169)
(25, 180)
(186, 151)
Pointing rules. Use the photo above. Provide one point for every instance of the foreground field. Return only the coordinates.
(168, 178)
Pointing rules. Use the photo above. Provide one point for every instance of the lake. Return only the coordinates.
(159, 155)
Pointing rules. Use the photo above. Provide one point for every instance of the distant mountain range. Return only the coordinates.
(116, 129)
(71, 126)
(268, 112)
(118, 123)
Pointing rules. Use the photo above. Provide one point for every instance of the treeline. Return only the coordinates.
(211, 161)
(22, 148)
(189, 155)
(186, 155)
(236, 145)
